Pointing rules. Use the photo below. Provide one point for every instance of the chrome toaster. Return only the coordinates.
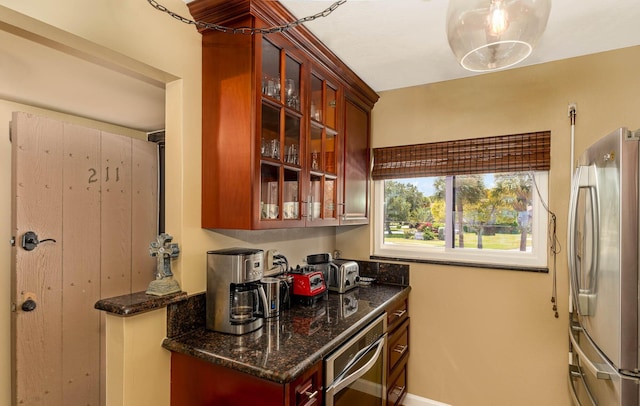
(343, 275)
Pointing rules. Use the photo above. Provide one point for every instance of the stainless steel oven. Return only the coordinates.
(355, 372)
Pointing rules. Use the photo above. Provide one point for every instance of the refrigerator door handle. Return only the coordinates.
(584, 296)
(570, 237)
(576, 373)
(572, 392)
(600, 371)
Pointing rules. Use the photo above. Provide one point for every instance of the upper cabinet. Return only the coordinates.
(285, 130)
(355, 164)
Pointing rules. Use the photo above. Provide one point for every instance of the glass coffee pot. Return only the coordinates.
(244, 303)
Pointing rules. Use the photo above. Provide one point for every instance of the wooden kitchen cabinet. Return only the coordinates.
(356, 162)
(282, 143)
(197, 382)
(397, 352)
(307, 389)
(324, 116)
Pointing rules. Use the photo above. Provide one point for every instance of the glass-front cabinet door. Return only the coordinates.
(322, 155)
(273, 121)
(281, 129)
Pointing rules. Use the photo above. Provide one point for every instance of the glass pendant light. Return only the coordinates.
(487, 35)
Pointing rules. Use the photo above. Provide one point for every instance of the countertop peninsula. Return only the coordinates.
(284, 348)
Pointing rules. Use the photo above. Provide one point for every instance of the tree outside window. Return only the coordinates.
(491, 211)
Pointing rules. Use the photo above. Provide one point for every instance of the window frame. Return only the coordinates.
(535, 260)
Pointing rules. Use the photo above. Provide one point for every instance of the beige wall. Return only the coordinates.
(484, 337)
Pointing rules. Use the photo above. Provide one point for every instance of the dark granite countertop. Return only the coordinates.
(136, 303)
(283, 349)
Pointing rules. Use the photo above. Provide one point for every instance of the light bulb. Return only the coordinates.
(498, 18)
(487, 35)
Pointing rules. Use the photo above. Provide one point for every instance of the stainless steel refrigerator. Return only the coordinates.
(603, 265)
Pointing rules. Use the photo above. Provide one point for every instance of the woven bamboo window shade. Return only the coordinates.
(506, 153)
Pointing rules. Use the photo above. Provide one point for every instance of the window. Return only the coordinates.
(477, 201)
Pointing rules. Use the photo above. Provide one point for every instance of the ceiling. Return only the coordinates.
(390, 44)
(393, 44)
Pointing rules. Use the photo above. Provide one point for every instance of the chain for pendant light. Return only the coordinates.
(247, 30)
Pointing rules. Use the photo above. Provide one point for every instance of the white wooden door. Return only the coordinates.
(91, 197)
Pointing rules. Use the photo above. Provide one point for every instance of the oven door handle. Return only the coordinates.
(344, 381)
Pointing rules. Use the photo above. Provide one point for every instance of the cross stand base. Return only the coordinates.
(163, 287)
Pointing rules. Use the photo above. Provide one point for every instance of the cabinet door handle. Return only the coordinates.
(356, 216)
(401, 349)
(399, 313)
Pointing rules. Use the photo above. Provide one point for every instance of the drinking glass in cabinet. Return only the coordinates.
(330, 110)
(269, 211)
(290, 210)
(292, 155)
(271, 86)
(269, 192)
(316, 113)
(329, 196)
(316, 98)
(315, 196)
(270, 148)
(270, 69)
(314, 160)
(291, 206)
(291, 93)
(274, 150)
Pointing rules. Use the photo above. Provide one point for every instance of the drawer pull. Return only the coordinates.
(311, 395)
(401, 349)
(400, 313)
(397, 390)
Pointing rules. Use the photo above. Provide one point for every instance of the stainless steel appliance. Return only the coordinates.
(603, 264)
(286, 282)
(319, 263)
(270, 294)
(355, 372)
(233, 290)
(343, 275)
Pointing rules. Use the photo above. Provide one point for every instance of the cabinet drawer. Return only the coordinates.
(398, 345)
(307, 394)
(397, 314)
(306, 390)
(397, 388)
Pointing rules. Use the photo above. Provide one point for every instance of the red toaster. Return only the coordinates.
(308, 284)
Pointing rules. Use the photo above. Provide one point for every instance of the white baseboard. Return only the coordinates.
(413, 400)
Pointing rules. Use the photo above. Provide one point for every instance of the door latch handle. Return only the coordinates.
(30, 240)
(29, 305)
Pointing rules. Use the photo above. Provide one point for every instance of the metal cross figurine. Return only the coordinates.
(164, 250)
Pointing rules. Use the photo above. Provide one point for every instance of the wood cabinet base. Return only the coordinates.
(398, 322)
(195, 382)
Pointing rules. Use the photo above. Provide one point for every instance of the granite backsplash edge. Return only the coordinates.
(384, 272)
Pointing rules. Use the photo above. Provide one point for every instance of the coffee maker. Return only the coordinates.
(234, 290)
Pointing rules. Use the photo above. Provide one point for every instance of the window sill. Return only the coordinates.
(460, 263)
